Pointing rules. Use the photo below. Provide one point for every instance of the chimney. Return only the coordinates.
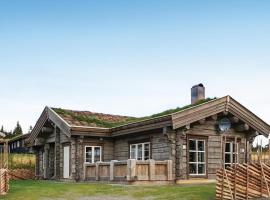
(197, 93)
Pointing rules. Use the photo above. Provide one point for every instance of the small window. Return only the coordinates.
(92, 154)
(231, 153)
(140, 151)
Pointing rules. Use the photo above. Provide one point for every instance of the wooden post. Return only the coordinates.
(112, 169)
(235, 167)
(46, 161)
(152, 170)
(97, 171)
(131, 169)
(247, 183)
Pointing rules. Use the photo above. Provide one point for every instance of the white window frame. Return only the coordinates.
(196, 151)
(136, 150)
(231, 153)
(93, 154)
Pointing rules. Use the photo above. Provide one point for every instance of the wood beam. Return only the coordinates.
(214, 117)
(202, 121)
(242, 127)
(47, 129)
(234, 119)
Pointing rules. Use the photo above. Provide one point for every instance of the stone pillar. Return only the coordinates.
(57, 154)
(179, 162)
(73, 158)
(46, 161)
(37, 167)
(79, 159)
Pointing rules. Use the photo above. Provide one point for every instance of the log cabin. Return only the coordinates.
(186, 143)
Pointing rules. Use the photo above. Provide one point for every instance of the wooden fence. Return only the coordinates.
(243, 181)
(129, 171)
(4, 178)
(21, 174)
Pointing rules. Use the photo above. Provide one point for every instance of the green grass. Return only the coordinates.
(109, 124)
(34, 190)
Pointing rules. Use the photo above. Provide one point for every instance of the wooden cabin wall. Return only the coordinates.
(159, 144)
(78, 153)
(214, 152)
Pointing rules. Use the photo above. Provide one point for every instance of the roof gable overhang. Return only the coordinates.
(48, 114)
(224, 104)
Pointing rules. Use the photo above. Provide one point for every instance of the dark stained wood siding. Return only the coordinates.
(213, 149)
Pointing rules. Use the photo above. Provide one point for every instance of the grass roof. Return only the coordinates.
(96, 119)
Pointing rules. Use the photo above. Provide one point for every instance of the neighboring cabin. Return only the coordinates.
(17, 144)
(66, 140)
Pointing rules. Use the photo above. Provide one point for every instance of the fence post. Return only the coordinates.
(97, 171)
(169, 170)
(131, 169)
(112, 169)
(152, 170)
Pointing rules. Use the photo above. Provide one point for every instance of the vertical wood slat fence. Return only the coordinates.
(129, 171)
(243, 181)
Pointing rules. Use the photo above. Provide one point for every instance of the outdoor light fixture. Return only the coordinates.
(224, 125)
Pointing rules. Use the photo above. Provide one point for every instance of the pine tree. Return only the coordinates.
(2, 129)
(30, 129)
(18, 129)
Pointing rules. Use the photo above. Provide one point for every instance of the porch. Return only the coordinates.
(130, 171)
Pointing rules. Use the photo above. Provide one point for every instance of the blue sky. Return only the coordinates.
(130, 57)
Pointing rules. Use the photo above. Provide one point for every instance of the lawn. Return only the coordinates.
(45, 190)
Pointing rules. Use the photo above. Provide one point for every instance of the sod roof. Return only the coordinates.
(93, 119)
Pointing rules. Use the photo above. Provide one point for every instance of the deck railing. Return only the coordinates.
(129, 170)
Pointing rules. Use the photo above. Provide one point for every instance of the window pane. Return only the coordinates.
(88, 154)
(192, 157)
(97, 154)
(201, 157)
(139, 153)
(201, 168)
(227, 158)
(234, 158)
(132, 152)
(200, 145)
(228, 147)
(192, 145)
(146, 151)
(192, 169)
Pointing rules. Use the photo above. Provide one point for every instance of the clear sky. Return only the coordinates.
(130, 57)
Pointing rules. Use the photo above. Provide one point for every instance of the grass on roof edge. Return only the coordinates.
(107, 124)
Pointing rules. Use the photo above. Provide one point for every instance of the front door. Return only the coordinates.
(66, 162)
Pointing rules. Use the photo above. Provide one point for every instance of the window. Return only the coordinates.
(140, 151)
(231, 154)
(197, 157)
(92, 154)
